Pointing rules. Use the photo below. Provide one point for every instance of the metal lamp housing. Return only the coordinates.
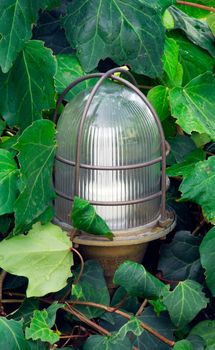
(112, 152)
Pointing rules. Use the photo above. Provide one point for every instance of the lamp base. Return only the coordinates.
(126, 245)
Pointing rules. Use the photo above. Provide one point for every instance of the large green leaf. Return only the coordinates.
(68, 70)
(197, 31)
(84, 218)
(206, 330)
(186, 167)
(183, 345)
(207, 254)
(39, 328)
(119, 340)
(43, 256)
(162, 324)
(11, 335)
(129, 31)
(184, 302)
(36, 148)
(91, 287)
(194, 60)
(180, 259)
(137, 281)
(193, 105)
(197, 187)
(159, 98)
(172, 67)
(8, 182)
(16, 19)
(28, 88)
(180, 147)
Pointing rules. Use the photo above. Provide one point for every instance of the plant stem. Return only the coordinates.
(125, 315)
(141, 308)
(8, 301)
(199, 6)
(2, 278)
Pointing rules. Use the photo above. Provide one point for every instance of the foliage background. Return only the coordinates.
(169, 47)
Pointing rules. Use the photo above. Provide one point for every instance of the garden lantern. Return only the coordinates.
(112, 152)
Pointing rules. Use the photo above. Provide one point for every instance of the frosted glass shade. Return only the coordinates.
(119, 130)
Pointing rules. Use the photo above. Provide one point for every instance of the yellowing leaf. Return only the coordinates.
(43, 256)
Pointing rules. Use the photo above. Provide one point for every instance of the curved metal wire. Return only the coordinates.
(78, 165)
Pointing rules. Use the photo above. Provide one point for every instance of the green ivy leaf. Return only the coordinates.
(68, 70)
(185, 168)
(194, 60)
(180, 259)
(172, 67)
(43, 256)
(23, 100)
(84, 218)
(36, 148)
(197, 341)
(11, 335)
(211, 22)
(207, 254)
(206, 330)
(137, 281)
(184, 302)
(197, 31)
(39, 328)
(8, 182)
(192, 105)
(16, 20)
(181, 146)
(183, 345)
(131, 40)
(197, 186)
(25, 311)
(159, 98)
(91, 287)
(52, 311)
(162, 324)
(119, 340)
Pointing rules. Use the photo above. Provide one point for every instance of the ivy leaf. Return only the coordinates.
(16, 22)
(185, 168)
(159, 98)
(172, 67)
(84, 218)
(192, 105)
(39, 328)
(194, 60)
(11, 335)
(25, 311)
(206, 330)
(51, 311)
(207, 254)
(184, 302)
(181, 146)
(180, 259)
(8, 182)
(196, 31)
(36, 148)
(197, 341)
(162, 325)
(68, 70)
(23, 100)
(197, 186)
(131, 40)
(183, 345)
(43, 256)
(137, 281)
(91, 287)
(211, 22)
(119, 340)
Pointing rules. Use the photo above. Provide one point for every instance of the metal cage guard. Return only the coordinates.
(164, 145)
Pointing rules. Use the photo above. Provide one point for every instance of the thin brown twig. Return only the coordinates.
(125, 315)
(146, 87)
(2, 278)
(121, 303)
(8, 301)
(141, 308)
(202, 222)
(82, 265)
(86, 320)
(199, 6)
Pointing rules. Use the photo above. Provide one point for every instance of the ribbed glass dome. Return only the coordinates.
(119, 130)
